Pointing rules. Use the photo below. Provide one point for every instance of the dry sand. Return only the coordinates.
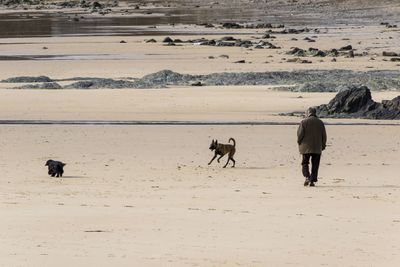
(144, 195)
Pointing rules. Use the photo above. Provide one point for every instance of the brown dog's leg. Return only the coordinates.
(227, 162)
(212, 159)
(220, 158)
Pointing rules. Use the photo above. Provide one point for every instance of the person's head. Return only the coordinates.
(311, 112)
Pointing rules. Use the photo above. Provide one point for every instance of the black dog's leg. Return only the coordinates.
(58, 174)
(53, 174)
(215, 155)
(220, 158)
(234, 162)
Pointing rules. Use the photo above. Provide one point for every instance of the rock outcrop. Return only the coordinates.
(357, 102)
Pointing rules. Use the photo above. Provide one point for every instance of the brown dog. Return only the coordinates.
(222, 150)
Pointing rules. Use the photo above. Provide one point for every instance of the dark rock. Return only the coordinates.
(221, 43)
(350, 54)
(240, 61)
(320, 53)
(333, 52)
(389, 54)
(101, 83)
(207, 25)
(346, 48)
(317, 87)
(295, 31)
(84, 4)
(197, 84)
(356, 102)
(50, 85)
(232, 25)
(97, 5)
(311, 80)
(297, 52)
(68, 4)
(151, 41)
(122, 42)
(28, 79)
(395, 59)
(228, 38)
(168, 40)
(388, 25)
(308, 39)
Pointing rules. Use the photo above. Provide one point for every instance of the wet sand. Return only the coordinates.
(68, 57)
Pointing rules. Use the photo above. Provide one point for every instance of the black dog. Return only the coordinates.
(223, 149)
(56, 168)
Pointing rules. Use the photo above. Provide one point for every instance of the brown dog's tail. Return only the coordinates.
(233, 140)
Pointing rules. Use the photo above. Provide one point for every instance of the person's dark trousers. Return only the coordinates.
(315, 159)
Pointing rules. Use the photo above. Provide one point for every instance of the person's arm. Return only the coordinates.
(300, 133)
(323, 137)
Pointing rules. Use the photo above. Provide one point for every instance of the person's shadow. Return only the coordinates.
(358, 186)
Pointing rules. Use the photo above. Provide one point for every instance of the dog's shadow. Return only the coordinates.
(72, 177)
(251, 168)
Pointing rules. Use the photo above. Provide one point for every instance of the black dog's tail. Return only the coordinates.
(233, 140)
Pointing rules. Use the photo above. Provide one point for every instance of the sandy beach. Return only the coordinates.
(143, 195)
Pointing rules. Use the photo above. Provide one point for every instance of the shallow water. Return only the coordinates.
(183, 12)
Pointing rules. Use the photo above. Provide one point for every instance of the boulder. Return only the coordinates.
(346, 48)
(168, 40)
(356, 102)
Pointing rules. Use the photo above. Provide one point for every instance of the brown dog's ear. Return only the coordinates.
(216, 141)
(63, 164)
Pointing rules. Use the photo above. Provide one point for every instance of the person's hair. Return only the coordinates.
(311, 111)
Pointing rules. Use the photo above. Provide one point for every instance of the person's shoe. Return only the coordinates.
(312, 184)
(306, 182)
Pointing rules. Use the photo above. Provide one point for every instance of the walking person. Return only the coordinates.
(311, 137)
